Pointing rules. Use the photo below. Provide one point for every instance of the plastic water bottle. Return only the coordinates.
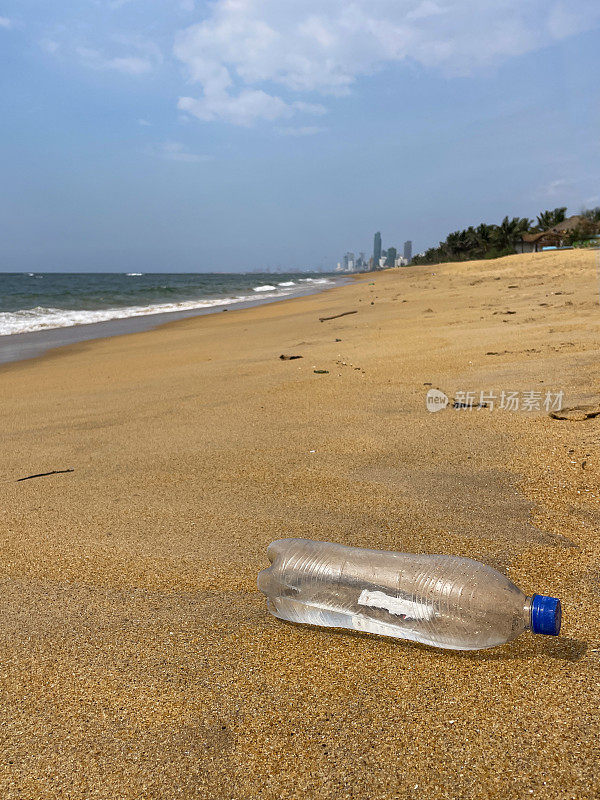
(445, 601)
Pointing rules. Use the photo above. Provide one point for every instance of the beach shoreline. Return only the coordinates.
(22, 346)
(139, 659)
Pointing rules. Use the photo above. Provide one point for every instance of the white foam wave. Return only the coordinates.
(133, 274)
(40, 318)
(43, 318)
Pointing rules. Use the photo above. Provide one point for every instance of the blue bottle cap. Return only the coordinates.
(545, 615)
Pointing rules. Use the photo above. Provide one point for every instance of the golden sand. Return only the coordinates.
(137, 657)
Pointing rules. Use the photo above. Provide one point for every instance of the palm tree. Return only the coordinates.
(509, 230)
(485, 236)
(548, 219)
(458, 245)
(472, 242)
(593, 214)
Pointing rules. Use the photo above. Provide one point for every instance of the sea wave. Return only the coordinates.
(133, 274)
(71, 302)
(266, 288)
(42, 318)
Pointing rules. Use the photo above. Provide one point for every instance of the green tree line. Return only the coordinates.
(494, 241)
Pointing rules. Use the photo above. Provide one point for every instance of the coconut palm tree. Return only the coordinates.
(484, 233)
(458, 245)
(509, 230)
(548, 219)
(485, 237)
(593, 214)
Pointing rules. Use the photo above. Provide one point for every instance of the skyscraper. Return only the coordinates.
(408, 251)
(376, 250)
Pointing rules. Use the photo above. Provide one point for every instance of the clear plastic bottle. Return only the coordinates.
(445, 601)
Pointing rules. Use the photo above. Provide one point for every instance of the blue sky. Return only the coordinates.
(240, 134)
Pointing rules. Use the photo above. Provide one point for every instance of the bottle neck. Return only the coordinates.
(527, 613)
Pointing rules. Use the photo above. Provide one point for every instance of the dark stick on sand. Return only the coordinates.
(335, 316)
(43, 474)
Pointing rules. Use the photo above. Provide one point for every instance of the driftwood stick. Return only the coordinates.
(335, 316)
(43, 474)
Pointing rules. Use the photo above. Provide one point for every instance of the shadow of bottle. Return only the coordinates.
(560, 648)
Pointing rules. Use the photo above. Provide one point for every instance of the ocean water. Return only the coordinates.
(42, 301)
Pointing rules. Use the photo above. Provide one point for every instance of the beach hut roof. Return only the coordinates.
(568, 224)
(535, 237)
(554, 232)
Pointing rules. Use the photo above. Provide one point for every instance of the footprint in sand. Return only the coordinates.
(577, 413)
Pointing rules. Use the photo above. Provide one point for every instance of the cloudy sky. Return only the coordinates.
(182, 135)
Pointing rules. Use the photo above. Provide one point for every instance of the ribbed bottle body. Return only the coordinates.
(444, 601)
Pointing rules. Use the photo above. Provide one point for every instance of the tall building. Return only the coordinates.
(390, 259)
(376, 250)
(349, 262)
(408, 251)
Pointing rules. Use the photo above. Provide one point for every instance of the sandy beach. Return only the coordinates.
(138, 658)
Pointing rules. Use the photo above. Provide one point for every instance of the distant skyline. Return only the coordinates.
(240, 135)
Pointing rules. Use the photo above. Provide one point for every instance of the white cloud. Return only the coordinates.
(309, 108)
(5, 22)
(565, 19)
(304, 130)
(177, 151)
(245, 48)
(425, 9)
(144, 123)
(50, 46)
(128, 54)
(555, 188)
(244, 108)
(572, 192)
(131, 64)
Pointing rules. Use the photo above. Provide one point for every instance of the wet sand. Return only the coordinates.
(138, 659)
(18, 347)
